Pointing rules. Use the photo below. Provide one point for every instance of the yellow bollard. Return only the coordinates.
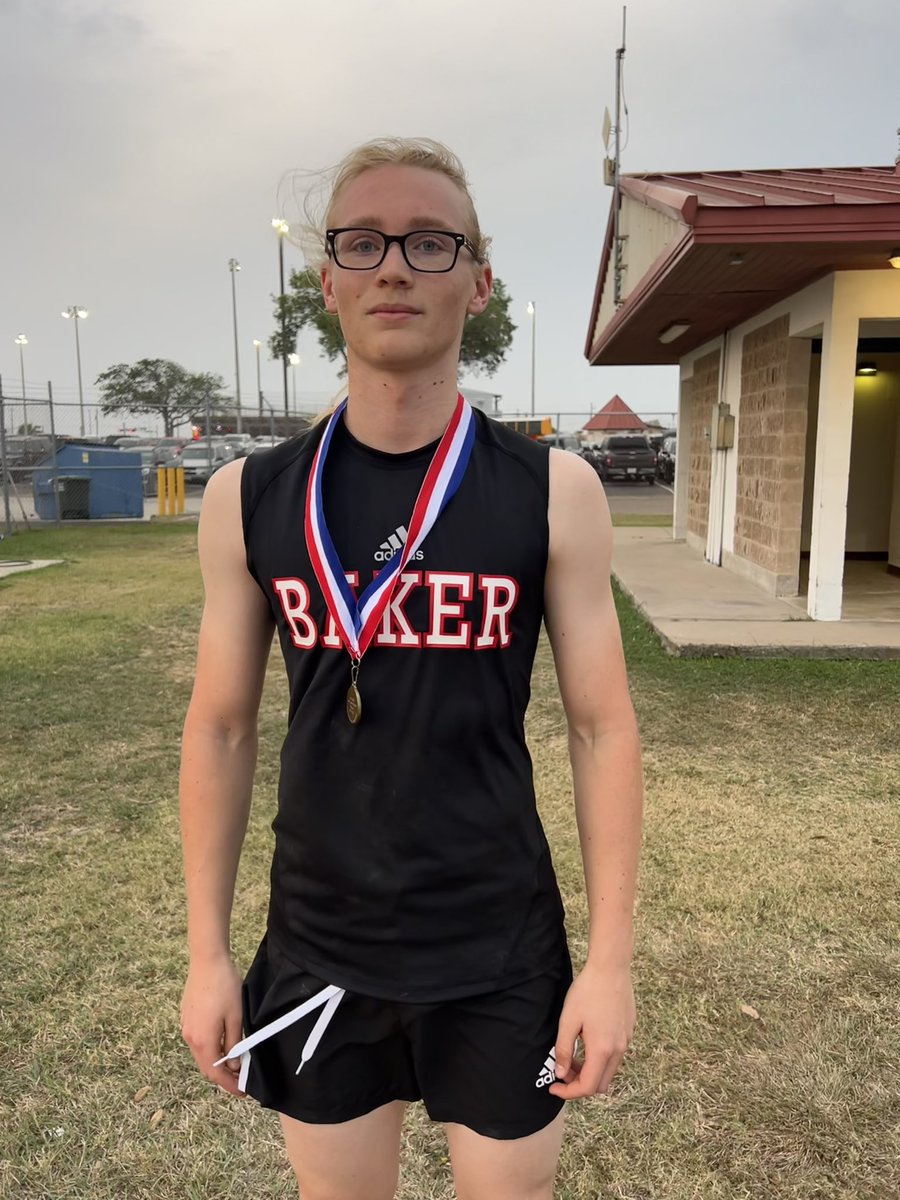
(179, 488)
(161, 491)
(170, 489)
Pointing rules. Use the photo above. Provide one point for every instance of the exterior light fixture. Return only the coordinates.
(673, 331)
(894, 258)
(736, 259)
(866, 368)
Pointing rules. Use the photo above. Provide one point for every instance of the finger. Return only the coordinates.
(612, 1066)
(564, 1050)
(205, 1055)
(586, 1083)
(224, 1078)
(234, 1031)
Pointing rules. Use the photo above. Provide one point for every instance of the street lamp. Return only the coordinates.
(532, 312)
(22, 342)
(281, 227)
(76, 313)
(256, 345)
(234, 266)
(294, 360)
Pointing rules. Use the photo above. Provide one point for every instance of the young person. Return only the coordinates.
(406, 552)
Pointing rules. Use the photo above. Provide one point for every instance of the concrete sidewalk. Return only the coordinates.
(700, 610)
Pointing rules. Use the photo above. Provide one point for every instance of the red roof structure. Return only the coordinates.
(747, 239)
(614, 415)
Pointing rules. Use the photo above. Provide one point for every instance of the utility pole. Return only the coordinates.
(281, 227)
(234, 266)
(617, 239)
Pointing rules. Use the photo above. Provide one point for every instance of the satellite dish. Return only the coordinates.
(607, 127)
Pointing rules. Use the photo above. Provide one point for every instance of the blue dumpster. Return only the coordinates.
(93, 482)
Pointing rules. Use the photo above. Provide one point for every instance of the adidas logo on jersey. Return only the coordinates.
(548, 1071)
(395, 543)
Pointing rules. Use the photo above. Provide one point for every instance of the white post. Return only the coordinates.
(832, 470)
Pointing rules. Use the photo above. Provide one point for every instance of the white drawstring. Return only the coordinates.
(330, 996)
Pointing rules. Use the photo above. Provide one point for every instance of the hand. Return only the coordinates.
(211, 1018)
(599, 1007)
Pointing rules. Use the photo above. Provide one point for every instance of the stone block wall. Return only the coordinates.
(771, 448)
(704, 394)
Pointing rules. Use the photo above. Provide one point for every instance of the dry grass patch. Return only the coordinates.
(767, 887)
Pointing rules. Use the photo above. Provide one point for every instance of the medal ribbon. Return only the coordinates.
(357, 620)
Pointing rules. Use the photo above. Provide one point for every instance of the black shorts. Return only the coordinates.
(483, 1061)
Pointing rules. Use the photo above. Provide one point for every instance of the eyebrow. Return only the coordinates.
(413, 223)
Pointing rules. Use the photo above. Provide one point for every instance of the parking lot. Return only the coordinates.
(637, 499)
(640, 499)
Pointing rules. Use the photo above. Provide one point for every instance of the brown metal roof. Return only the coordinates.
(750, 238)
(614, 415)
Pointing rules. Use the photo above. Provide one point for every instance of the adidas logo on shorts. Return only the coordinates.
(548, 1071)
(395, 542)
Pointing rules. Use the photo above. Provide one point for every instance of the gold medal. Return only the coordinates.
(354, 700)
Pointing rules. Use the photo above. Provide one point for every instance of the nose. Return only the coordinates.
(394, 267)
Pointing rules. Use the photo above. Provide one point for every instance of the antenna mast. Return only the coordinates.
(617, 239)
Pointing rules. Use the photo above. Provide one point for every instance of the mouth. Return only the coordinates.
(394, 312)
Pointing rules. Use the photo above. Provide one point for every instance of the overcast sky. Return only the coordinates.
(143, 142)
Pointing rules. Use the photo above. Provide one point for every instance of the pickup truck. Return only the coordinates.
(627, 457)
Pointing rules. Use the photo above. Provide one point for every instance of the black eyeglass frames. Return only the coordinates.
(430, 250)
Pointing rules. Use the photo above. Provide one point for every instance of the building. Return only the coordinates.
(614, 417)
(774, 292)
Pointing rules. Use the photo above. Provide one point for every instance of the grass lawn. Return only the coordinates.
(768, 879)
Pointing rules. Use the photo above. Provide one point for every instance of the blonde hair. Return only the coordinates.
(305, 192)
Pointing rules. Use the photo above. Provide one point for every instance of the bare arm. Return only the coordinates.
(604, 747)
(218, 760)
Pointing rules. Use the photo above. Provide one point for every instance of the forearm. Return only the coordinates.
(608, 782)
(216, 783)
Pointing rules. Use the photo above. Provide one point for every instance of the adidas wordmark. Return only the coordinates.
(548, 1071)
(394, 543)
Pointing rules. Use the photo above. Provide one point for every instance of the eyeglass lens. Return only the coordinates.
(426, 249)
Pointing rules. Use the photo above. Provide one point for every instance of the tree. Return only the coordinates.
(486, 338)
(161, 388)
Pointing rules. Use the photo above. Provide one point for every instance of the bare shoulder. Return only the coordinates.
(578, 512)
(221, 528)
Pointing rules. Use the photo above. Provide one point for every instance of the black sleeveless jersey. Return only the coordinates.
(410, 862)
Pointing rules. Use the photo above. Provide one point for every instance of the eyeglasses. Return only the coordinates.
(430, 250)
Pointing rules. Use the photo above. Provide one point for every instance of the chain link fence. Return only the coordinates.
(62, 459)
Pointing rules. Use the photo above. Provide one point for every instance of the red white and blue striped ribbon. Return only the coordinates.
(357, 620)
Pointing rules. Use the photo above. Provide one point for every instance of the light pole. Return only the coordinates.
(294, 360)
(76, 313)
(22, 342)
(281, 227)
(234, 266)
(532, 312)
(256, 345)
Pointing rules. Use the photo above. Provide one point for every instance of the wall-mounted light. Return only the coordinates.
(894, 258)
(737, 259)
(673, 331)
(866, 368)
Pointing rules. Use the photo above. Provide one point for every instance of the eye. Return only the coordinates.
(364, 243)
(431, 244)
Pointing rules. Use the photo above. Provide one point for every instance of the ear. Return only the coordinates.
(484, 282)
(327, 289)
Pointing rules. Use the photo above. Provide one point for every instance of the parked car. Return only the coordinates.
(23, 451)
(168, 451)
(562, 441)
(265, 442)
(201, 460)
(657, 439)
(240, 443)
(626, 456)
(665, 460)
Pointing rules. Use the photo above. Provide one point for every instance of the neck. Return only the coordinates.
(396, 413)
